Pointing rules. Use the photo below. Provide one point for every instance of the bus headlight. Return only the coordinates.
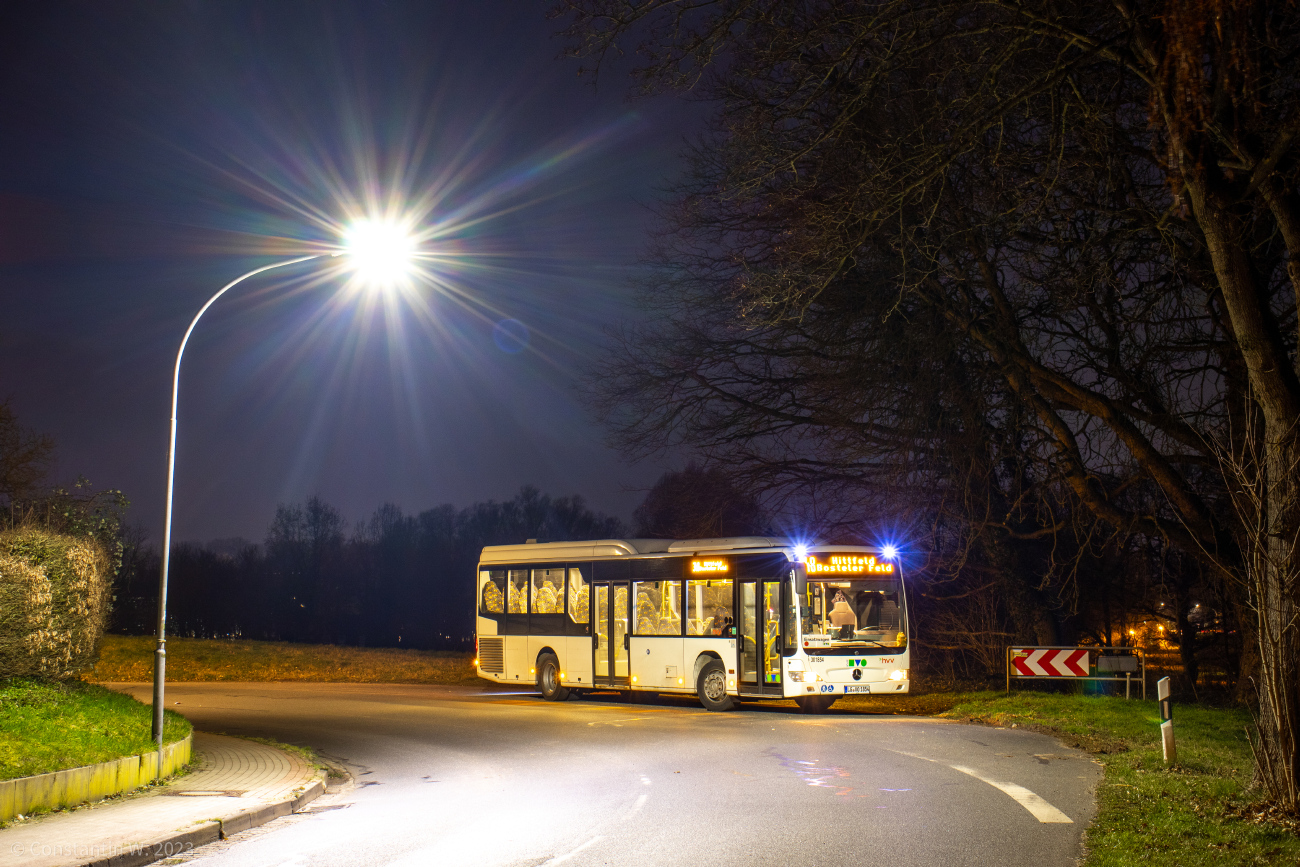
(898, 674)
(796, 677)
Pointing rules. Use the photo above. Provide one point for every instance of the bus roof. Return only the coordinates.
(601, 549)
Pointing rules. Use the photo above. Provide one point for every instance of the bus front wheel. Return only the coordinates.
(548, 678)
(815, 703)
(712, 687)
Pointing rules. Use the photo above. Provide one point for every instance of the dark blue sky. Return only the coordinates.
(151, 152)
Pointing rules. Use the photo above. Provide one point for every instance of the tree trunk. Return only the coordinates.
(1271, 556)
(1274, 566)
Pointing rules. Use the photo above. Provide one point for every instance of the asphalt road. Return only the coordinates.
(458, 776)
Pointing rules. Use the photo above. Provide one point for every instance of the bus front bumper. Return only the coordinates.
(873, 687)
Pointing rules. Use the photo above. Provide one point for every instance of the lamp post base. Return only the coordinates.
(159, 677)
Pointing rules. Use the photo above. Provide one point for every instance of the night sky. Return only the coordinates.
(152, 152)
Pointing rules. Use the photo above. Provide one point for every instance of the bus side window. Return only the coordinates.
(492, 600)
(658, 611)
(709, 607)
(579, 602)
(548, 584)
(517, 592)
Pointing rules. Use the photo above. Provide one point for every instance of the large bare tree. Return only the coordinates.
(1060, 235)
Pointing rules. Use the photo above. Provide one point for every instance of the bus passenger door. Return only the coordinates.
(610, 633)
(747, 633)
(758, 637)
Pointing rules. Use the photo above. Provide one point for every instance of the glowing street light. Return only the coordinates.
(381, 251)
(889, 552)
(381, 254)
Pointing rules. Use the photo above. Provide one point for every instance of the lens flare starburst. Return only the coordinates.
(380, 252)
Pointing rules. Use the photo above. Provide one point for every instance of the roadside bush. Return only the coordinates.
(55, 592)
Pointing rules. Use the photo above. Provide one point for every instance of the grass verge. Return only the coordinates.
(1199, 812)
(193, 660)
(47, 726)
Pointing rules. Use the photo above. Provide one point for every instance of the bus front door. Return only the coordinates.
(758, 637)
(610, 633)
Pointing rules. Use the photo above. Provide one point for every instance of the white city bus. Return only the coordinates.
(725, 619)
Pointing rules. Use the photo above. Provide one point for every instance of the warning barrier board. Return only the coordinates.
(1049, 662)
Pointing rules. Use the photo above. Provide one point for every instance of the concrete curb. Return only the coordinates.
(182, 842)
(74, 786)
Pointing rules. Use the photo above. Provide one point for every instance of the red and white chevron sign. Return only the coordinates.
(1049, 662)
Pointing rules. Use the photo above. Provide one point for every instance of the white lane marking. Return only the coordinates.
(645, 781)
(634, 809)
(560, 859)
(1037, 805)
(615, 722)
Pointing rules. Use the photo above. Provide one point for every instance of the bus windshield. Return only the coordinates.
(851, 615)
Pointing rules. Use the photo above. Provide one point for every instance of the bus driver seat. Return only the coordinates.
(842, 616)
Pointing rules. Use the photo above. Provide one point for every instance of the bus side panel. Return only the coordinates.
(518, 662)
(578, 664)
(656, 663)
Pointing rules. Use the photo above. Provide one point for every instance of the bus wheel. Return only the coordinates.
(815, 703)
(712, 687)
(548, 678)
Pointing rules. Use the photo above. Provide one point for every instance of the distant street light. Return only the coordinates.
(380, 253)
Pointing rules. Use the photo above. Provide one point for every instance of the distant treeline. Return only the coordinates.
(393, 580)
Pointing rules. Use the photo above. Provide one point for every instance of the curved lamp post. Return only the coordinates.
(381, 253)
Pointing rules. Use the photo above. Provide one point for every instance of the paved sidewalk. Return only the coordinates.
(238, 784)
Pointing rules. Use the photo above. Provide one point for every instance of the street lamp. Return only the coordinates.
(380, 252)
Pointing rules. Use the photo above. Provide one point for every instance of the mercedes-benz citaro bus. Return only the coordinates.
(725, 619)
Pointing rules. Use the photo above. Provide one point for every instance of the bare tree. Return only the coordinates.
(1092, 208)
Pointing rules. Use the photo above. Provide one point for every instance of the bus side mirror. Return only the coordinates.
(800, 580)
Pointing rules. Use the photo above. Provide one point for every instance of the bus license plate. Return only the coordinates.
(857, 687)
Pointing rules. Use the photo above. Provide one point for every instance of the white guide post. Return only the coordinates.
(1167, 721)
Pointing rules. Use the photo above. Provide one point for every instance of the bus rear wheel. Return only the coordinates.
(711, 687)
(548, 678)
(815, 703)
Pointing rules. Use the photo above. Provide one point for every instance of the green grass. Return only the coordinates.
(193, 660)
(1199, 812)
(47, 726)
